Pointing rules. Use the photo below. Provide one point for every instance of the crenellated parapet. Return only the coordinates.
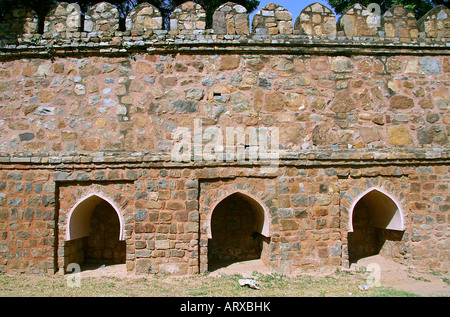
(19, 23)
(102, 18)
(144, 26)
(63, 21)
(399, 22)
(273, 19)
(231, 18)
(356, 22)
(188, 18)
(316, 20)
(436, 23)
(143, 19)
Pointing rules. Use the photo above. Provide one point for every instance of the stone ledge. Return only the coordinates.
(291, 158)
(120, 44)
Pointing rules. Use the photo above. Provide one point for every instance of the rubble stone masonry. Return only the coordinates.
(89, 114)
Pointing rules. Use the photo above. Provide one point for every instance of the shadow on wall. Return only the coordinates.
(236, 226)
(94, 232)
(376, 227)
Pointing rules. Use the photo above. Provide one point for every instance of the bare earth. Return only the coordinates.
(408, 279)
(392, 274)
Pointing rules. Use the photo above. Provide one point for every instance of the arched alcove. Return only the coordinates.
(94, 233)
(238, 231)
(376, 225)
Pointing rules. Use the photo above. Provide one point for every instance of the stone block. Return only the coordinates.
(144, 266)
(401, 102)
(174, 268)
(399, 135)
(430, 65)
(185, 106)
(162, 244)
(288, 224)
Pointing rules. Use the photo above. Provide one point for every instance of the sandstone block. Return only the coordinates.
(274, 102)
(90, 144)
(229, 62)
(288, 224)
(342, 64)
(401, 102)
(399, 135)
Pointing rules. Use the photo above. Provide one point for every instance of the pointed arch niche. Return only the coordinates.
(94, 232)
(376, 225)
(238, 230)
(385, 211)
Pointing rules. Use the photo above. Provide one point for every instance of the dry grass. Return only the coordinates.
(342, 284)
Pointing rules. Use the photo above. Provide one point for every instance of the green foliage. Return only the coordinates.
(418, 7)
(41, 7)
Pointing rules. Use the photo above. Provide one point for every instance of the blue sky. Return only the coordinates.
(293, 6)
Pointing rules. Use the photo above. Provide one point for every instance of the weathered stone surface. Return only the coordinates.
(287, 224)
(401, 102)
(231, 18)
(342, 65)
(369, 134)
(87, 122)
(430, 65)
(90, 144)
(273, 19)
(354, 22)
(188, 18)
(239, 102)
(399, 135)
(185, 106)
(432, 135)
(316, 20)
(63, 20)
(102, 18)
(229, 62)
(144, 18)
(436, 22)
(399, 22)
(274, 102)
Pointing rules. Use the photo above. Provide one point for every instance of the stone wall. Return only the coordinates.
(89, 115)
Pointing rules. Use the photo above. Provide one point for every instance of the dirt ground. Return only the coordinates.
(392, 274)
(408, 279)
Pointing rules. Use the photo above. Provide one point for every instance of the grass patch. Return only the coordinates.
(271, 285)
